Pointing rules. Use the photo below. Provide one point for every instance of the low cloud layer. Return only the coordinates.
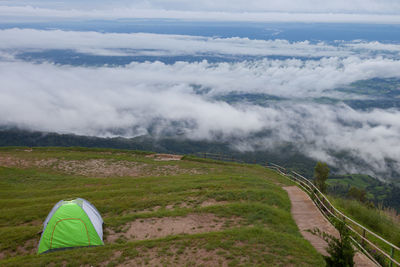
(130, 100)
(189, 99)
(147, 44)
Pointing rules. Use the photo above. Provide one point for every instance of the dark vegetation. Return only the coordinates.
(321, 173)
(365, 189)
(380, 93)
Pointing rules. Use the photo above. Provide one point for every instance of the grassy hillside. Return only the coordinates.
(385, 222)
(286, 155)
(378, 192)
(186, 212)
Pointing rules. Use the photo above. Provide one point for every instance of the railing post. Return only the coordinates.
(363, 235)
(391, 255)
(365, 242)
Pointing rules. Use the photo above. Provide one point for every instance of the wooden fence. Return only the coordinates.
(368, 242)
(364, 239)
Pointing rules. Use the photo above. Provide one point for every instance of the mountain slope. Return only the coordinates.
(156, 211)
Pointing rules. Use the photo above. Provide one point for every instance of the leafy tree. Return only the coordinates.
(321, 172)
(358, 194)
(341, 251)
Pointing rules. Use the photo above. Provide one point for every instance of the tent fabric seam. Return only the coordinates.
(54, 228)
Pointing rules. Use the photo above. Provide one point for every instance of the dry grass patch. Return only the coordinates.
(177, 257)
(164, 157)
(152, 228)
(96, 167)
(212, 202)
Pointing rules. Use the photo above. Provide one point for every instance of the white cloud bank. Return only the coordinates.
(379, 11)
(101, 101)
(142, 44)
(128, 100)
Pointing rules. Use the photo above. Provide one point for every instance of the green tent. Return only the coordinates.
(73, 223)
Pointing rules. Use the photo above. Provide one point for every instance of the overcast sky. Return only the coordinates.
(383, 11)
(337, 6)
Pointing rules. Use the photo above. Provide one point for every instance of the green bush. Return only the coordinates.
(341, 251)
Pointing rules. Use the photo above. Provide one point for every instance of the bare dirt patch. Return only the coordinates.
(30, 247)
(178, 257)
(97, 167)
(212, 202)
(102, 167)
(153, 228)
(164, 157)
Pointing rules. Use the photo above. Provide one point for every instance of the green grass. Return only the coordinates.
(373, 219)
(265, 236)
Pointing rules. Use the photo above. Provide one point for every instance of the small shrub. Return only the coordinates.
(341, 251)
(378, 257)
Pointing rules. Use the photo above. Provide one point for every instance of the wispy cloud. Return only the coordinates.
(338, 6)
(369, 11)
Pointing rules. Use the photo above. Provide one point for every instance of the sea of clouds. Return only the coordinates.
(129, 100)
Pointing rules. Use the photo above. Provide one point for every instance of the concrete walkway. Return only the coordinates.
(308, 216)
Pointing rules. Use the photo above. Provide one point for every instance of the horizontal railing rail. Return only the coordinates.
(361, 236)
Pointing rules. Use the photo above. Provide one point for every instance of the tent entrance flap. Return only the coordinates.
(61, 236)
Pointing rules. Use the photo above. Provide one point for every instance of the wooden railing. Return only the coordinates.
(363, 238)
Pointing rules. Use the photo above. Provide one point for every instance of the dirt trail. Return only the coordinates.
(307, 216)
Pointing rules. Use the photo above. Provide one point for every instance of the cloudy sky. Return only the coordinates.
(381, 11)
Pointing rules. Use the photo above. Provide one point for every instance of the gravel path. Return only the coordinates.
(308, 216)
